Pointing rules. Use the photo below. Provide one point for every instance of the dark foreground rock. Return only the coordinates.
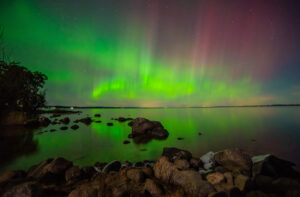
(176, 173)
(143, 130)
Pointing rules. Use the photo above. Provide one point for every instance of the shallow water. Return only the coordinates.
(258, 130)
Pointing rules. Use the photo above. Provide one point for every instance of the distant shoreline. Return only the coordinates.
(220, 106)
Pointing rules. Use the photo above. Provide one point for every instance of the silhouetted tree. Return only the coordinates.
(20, 89)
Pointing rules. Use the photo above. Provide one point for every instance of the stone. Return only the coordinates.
(65, 120)
(73, 174)
(164, 169)
(10, 175)
(262, 181)
(112, 166)
(109, 124)
(97, 115)
(175, 153)
(208, 160)
(63, 128)
(234, 159)
(88, 171)
(136, 175)
(75, 127)
(180, 138)
(126, 142)
(215, 178)
(86, 121)
(256, 193)
(192, 183)
(139, 164)
(182, 164)
(153, 188)
(27, 189)
(217, 194)
(147, 171)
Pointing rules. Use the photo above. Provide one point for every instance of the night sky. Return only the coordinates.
(158, 52)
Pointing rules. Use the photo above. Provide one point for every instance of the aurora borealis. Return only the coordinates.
(158, 52)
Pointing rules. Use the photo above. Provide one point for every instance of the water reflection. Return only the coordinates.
(14, 143)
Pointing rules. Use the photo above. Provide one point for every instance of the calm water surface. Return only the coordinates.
(273, 130)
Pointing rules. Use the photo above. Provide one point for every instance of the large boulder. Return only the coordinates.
(143, 126)
(269, 165)
(10, 175)
(234, 159)
(84, 191)
(192, 183)
(153, 188)
(50, 170)
(73, 174)
(164, 169)
(136, 175)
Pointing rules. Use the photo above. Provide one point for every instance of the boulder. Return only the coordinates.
(269, 165)
(196, 163)
(88, 171)
(164, 169)
(109, 124)
(63, 128)
(217, 194)
(234, 159)
(27, 189)
(75, 127)
(153, 188)
(73, 174)
(192, 183)
(135, 175)
(126, 142)
(242, 182)
(112, 166)
(256, 193)
(175, 153)
(97, 115)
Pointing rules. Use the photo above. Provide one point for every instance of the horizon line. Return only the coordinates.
(160, 107)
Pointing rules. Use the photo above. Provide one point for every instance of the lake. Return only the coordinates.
(258, 130)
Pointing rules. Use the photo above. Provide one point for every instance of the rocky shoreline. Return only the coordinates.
(231, 172)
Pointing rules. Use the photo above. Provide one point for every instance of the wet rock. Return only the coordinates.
(182, 164)
(215, 178)
(145, 127)
(75, 127)
(73, 174)
(27, 189)
(221, 169)
(86, 121)
(234, 159)
(192, 183)
(175, 153)
(208, 160)
(63, 128)
(126, 142)
(65, 120)
(272, 166)
(180, 138)
(122, 119)
(136, 175)
(164, 169)
(109, 124)
(153, 188)
(98, 121)
(147, 171)
(97, 115)
(112, 166)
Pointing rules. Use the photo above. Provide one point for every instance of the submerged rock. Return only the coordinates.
(109, 124)
(86, 121)
(97, 115)
(145, 128)
(63, 128)
(75, 127)
(65, 120)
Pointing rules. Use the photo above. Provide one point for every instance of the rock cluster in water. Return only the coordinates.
(176, 173)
